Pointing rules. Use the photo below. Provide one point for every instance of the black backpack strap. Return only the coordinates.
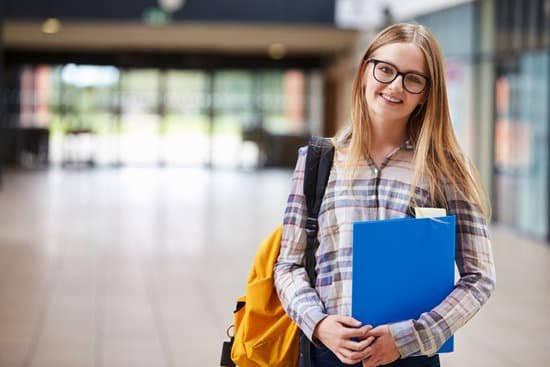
(320, 153)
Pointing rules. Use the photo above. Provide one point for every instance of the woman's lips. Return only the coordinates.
(390, 99)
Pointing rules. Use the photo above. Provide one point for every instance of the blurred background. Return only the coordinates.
(146, 147)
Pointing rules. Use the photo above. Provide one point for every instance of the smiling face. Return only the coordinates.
(391, 102)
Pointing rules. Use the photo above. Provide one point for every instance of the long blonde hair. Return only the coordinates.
(438, 159)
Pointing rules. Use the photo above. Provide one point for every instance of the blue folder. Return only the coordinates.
(402, 268)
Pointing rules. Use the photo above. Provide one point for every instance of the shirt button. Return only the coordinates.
(376, 171)
(372, 197)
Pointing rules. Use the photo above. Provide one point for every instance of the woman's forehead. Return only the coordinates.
(406, 56)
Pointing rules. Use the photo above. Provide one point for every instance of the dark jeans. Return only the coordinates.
(323, 357)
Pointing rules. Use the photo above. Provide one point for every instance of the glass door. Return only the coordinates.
(184, 127)
(140, 125)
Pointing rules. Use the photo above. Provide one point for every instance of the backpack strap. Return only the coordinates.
(320, 154)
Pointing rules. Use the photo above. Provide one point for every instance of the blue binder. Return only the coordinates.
(402, 268)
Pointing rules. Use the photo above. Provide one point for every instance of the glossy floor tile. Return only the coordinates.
(141, 267)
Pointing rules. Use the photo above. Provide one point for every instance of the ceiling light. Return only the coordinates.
(277, 51)
(171, 6)
(51, 26)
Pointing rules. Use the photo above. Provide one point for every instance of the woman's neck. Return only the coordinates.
(387, 136)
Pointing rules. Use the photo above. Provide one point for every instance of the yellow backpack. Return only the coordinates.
(264, 335)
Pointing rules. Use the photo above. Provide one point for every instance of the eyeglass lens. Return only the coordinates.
(386, 73)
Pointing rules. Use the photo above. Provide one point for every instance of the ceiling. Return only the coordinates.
(188, 37)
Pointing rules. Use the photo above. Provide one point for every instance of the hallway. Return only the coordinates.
(141, 267)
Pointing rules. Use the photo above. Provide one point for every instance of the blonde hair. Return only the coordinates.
(438, 159)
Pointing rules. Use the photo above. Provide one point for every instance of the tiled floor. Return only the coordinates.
(141, 267)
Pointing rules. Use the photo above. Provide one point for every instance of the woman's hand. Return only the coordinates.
(336, 333)
(383, 350)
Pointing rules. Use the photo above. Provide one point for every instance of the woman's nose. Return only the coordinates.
(397, 83)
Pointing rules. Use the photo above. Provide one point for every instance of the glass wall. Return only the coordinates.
(139, 116)
(521, 142)
(455, 29)
(83, 117)
(522, 115)
(103, 115)
(233, 106)
(184, 127)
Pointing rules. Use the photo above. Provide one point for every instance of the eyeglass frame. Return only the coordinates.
(398, 73)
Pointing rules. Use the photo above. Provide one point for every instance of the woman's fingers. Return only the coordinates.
(353, 344)
(355, 352)
(359, 355)
(348, 321)
(357, 346)
(345, 337)
(348, 357)
(367, 353)
(363, 344)
(359, 333)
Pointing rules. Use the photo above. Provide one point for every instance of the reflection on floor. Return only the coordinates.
(140, 267)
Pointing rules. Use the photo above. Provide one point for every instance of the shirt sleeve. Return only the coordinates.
(298, 298)
(476, 267)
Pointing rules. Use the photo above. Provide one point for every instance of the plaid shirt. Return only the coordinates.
(376, 194)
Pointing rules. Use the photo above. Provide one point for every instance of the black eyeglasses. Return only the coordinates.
(384, 72)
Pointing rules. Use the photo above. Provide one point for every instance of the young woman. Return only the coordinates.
(399, 152)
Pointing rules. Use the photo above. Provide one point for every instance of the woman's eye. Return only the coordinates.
(386, 70)
(414, 79)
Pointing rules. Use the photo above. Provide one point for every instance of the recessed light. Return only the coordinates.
(51, 26)
(171, 6)
(277, 51)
